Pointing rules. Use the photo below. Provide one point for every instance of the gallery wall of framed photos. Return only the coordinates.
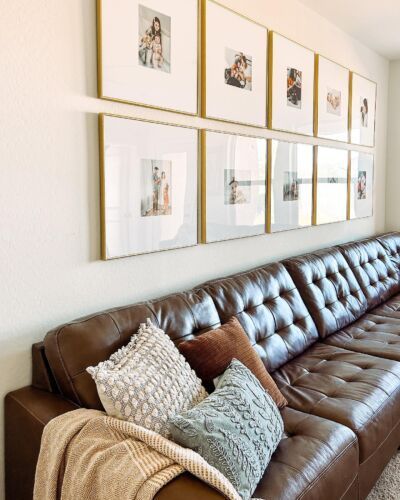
(165, 186)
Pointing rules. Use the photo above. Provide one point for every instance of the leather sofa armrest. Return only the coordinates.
(26, 412)
(188, 486)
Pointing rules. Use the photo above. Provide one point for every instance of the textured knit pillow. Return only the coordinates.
(209, 355)
(235, 429)
(148, 381)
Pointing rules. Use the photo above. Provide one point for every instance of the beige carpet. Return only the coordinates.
(388, 485)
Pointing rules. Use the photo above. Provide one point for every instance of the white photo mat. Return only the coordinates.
(333, 100)
(362, 185)
(363, 111)
(149, 186)
(291, 86)
(291, 196)
(135, 67)
(235, 171)
(332, 185)
(235, 52)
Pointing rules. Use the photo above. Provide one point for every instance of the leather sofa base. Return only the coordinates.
(372, 468)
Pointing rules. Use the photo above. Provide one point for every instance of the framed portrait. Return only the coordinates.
(361, 185)
(149, 186)
(332, 185)
(291, 86)
(363, 110)
(234, 64)
(148, 53)
(234, 186)
(332, 116)
(290, 199)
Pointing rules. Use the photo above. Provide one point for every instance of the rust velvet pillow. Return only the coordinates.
(211, 353)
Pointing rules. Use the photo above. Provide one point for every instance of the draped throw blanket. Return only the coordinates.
(88, 455)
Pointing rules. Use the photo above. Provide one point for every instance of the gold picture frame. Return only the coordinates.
(203, 184)
(103, 221)
(203, 67)
(270, 185)
(270, 125)
(351, 118)
(100, 72)
(318, 56)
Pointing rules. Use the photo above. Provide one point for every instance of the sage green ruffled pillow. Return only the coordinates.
(236, 429)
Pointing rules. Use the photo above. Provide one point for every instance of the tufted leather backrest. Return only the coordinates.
(328, 288)
(270, 309)
(376, 274)
(71, 348)
(391, 243)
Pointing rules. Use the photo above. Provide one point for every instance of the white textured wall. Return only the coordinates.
(393, 151)
(49, 175)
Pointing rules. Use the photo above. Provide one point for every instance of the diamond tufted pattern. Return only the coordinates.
(391, 243)
(359, 391)
(376, 274)
(372, 334)
(270, 309)
(96, 337)
(329, 289)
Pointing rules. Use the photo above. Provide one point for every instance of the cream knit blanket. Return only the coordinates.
(87, 455)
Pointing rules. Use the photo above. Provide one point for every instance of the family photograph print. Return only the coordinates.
(156, 179)
(294, 87)
(364, 112)
(238, 70)
(362, 185)
(237, 186)
(334, 102)
(154, 40)
(290, 186)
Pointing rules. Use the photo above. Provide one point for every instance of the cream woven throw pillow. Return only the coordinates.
(148, 381)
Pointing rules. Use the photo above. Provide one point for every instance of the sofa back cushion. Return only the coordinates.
(391, 243)
(329, 289)
(270, 309)
(376, 274)
(71, 348)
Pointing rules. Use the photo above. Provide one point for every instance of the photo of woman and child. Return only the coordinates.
(362, 185)
(154, 40)
(364, 112)
(294, 87)
(239, 71)
(334, 102)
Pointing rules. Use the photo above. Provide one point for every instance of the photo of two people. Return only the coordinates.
(156, 178)
(290, 186)
(334, 102)
(362, 185)
(239, 70)
(294, 87)
(154, 40)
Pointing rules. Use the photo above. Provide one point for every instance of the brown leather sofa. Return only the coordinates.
(327, 327)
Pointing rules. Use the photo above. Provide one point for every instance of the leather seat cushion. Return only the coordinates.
(314, 453)
(376, 274)
(359, 391)
(269, 307)
(310, 458)
(372, 334)
(328, 288)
